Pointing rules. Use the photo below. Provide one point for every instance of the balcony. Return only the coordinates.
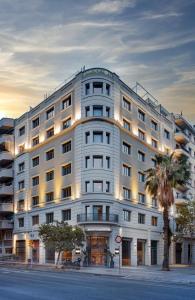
(6, 138)
(181, 138)
(5, 157)
(6, 207)
(6, 190)
(181, 151)
(6, 174)
(97, 219)
(6, 124)
(6, 224)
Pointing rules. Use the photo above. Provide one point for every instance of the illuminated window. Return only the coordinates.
(154, 221)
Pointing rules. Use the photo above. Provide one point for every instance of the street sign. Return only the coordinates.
(118, 239)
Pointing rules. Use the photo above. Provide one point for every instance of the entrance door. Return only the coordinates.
(140, 252)
(178, 250)
(126, 252)
(153, 252)
(97, 249)
(21, 250)
(49, 255)
(97, 212)
(35, 251)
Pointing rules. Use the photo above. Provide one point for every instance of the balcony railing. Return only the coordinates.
(97, 218)
(181, 137)
(5, 156)
(6, 190)
(6, 173)
(6, 224)
(6, 207)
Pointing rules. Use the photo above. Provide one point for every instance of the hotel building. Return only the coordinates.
(80, 157)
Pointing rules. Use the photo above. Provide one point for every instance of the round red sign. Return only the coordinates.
(118, 239)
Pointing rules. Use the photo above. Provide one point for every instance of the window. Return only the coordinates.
(35, 180)
(107, 187)
(50, 132)
(87, 161)
(107, 112)
(107, 162)
(141, 135)
(126, 193)
(141, 115)
(66, 123)
(87, 89)
(87, 111)
(50, 113)
(20, 205)
(50, 175)
(154, 162)
(154, 203)
(126, 148)
(98, 87)
(50, 154)
(97, 186)
(141, 198)
(126, 170)
(66, 192)
(154, 143)
(49, 217)
(97, 110)
(97, 161)
(35, 220)
(66, 102)
(126, 104)
(35, 122)
(154, 221)
(66, 170)
(107, 89)
(87, 135)
(87, 185)
(154, 125)
(167, 134)
(21, 148)
(49, 196)
(35, 161)
(66, 215)
(21, 222)
(141, 156)
(126, 125)
(66, 147)
(141, 218)
(21, 185)
(22, 131)
(35, 200)
(98, 137)
(107, 138)
(127, 215)
(21, 166)
(35, 141)
(141, 177)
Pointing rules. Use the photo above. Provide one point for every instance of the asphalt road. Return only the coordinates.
(31, 285)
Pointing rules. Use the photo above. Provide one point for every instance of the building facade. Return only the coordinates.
(80, 157)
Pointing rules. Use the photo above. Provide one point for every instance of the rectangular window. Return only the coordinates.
(87, 111)
(22, 131)
(87, 161)
(98, 87)
(126, 104)
(98, 137)
(141, 135)
(66, 123)
(49, 218)
(66, 170)
(35, 200)
(35, 141)
(49, 196)
(141, 156)
(66, 215)
(66, 192)
(126, 125)
(97, 186)
(35, 220)
(97, 110)
(66, 102)
(87, 89)
(35, 122)
(50, 132)
(126, 170)
(20, 205)
(154, 221)
(87, 136)
(50, 113)
(141, 115)
(50, 154)
(154, 203)
(107, 89)
(154, 143)
(21, 148)
(141, 198)
(107, 186)
(167, 134)
(35, 161)
(141, 177)
(107, 138)
(97, 161)
(141, 218)
(126, 148)
(66, 147)
(126, 215)
(153, 162)
(21, 222)
(126, 193)
(35, 181)
(21, 166)
(50, 175)
(154, 125)
(87, 186)
(21, 185)
(107, 162)
(107, 112)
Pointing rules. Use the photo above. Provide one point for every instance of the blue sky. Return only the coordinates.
(43, 42)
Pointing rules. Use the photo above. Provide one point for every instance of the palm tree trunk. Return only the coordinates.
(165, 265)
(58, 258)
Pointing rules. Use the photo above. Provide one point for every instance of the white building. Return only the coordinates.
(80, 156)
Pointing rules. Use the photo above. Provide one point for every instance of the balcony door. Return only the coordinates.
(97, 212)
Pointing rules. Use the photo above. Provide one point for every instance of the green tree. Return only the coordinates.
(169, 173)
(186, 223)
(61, 237)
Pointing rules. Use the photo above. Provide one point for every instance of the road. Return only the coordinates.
(40, 285)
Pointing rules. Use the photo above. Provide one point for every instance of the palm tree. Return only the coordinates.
(168, 173)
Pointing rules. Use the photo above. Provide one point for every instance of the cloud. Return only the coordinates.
(111, 6)
(153, 16)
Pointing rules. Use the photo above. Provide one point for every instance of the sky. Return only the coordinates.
(44, 42)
